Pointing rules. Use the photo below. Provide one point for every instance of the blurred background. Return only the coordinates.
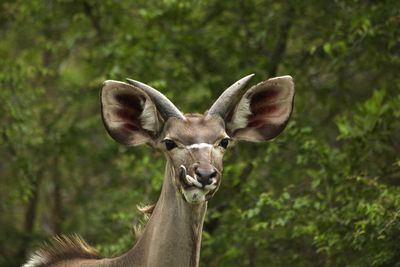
(326, 192)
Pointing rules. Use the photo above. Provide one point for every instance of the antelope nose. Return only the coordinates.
(205, 175)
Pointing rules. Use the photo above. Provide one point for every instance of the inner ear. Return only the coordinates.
(268, 105)
(128, 113)
(263, 111)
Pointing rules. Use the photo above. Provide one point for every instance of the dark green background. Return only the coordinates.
(324, 193)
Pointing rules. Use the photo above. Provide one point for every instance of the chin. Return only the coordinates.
(195, 195)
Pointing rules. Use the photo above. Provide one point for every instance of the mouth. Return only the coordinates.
(193, 191)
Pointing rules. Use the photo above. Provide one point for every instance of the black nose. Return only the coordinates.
(205, 174)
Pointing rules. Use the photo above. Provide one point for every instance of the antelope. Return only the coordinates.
(194, 144)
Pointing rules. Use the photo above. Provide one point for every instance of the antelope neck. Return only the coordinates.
(172, 237)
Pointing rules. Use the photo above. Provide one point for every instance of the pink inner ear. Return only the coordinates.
(130, 111)
(264, 106)
(263, 97)
(130, 101)
(130, 127)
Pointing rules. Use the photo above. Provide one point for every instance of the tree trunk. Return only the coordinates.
(30, 214)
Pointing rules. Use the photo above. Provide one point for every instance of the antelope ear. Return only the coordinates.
(263, 111)
(128, 113)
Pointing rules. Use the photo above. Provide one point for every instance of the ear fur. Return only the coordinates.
(128, 113)
(263, 111)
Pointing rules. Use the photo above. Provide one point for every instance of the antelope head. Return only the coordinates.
(194, 144)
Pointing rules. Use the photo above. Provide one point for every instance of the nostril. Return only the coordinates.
(205, 176)
(213, 174)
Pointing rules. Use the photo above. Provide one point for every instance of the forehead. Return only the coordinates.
(195, 129)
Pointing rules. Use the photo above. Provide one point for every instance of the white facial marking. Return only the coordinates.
(200, 145)
(211, 186)
(195, 195)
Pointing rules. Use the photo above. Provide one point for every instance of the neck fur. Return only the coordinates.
(172, 237)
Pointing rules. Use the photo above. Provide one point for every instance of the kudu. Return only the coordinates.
(194, 144)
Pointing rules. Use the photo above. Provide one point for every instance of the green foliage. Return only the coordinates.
(324, 193)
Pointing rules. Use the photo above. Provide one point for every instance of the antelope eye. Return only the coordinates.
(169, 144)
(224, 143)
